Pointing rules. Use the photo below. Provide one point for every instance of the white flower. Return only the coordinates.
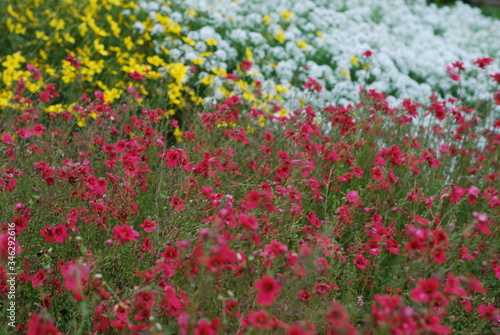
(157, 29)
(138, 26)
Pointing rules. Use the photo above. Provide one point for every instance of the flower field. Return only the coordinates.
(249, 167)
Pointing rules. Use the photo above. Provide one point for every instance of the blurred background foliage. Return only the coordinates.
(488, 7)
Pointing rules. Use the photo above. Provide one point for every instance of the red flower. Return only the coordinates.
(337, 316)
(124, 234)
(353, 198)
(481, 222)
(305, 295)
(258, 319)
(76, 276)
(178, 203)
(136, 76)
(267, 289)
(483, 62)
(496, 76)
(426, 291)
(148, 225)
(312, 85)
(246, 65)
(41, 324)
(207, 328)
(38, 278)
(489, 312)
(60, 233)
(253, 199)
(297, 330)
(361, 262)
(37, 129)
(464, 254)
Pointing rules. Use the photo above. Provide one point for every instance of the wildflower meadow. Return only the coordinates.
(249, 167)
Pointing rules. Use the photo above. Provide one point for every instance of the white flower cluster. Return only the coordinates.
(412, 44)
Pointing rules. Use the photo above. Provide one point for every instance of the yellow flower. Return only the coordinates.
(115, 29)
(219, 71)
(14, 61)
(128, 42)
(283, 112)
(319, 34)
(178, 134)
(156, 61)
(68, 72)
(262, 121)
(346, 74)
(100, 48)
(211, 41)
(33, 87)
(58, 108)
(207, 80)
(43, 54)
(68, 38)
(169, 25)
(41, 35)
(197, 61)
(280, 36)
(50, 71)
(281, 89)
(354, 60)
(302, 44)
(367, 66)
(153, 75)
(5, 97)
(81, 122)
(189, 41)
(177, 71)
(250, 129)
(286, 15)
(174, 93)
(57, 24)
(248, 54)
(82, 28)
(266, 19)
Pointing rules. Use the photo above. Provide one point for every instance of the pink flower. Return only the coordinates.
(178, 203)
(253, 199)
(124, 234)
(148, 225)
(361, 262)
(297, 330)
(483, 62)
(76, 276)
(60, 233)
(426, 290)
(368, 53)
(267, 289)
(353, 198)
(42, 324)
(496, 76)
(37, 129)
(482, 224)
(136, 76)
(489, 312)
(38, 278)
(246, 65)
(23, 133)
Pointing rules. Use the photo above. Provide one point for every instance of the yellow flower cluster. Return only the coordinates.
(91, 45)
(107, 45)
